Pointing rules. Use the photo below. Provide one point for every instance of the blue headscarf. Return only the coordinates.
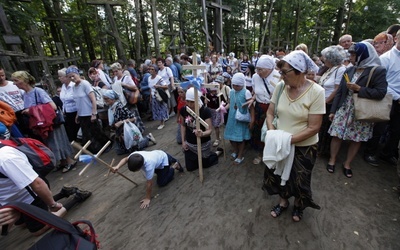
(366, 55)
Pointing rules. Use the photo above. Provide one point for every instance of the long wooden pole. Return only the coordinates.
(78, 146)
(197, 110)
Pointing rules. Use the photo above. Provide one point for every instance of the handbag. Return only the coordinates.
(240, 117)
(163, 95)
(132, 97)
(275, 120)
(370, 110)
(59, 119)
(41, 118)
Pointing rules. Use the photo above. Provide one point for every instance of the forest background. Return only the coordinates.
(81, 31)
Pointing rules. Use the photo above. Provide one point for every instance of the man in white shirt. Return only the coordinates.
(150, 162)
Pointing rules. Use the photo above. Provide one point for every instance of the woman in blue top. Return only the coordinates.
(236, 131)
(57, 139)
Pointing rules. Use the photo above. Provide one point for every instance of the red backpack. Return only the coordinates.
(38, 154)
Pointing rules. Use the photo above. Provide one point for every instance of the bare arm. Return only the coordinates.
(146, 201)
(122, 162)
(270, 116)
(42, 190)
(314, 124)
(92, 98)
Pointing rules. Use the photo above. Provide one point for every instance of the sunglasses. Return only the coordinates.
(284, 72)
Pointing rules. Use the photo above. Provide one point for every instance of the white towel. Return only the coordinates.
(279, 153)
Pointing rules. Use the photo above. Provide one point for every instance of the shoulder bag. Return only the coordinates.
(275, 120)
(370, 110)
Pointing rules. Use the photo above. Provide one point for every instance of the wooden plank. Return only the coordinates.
(12, 53)
(12, 39)
(218, 6)
(106, 2)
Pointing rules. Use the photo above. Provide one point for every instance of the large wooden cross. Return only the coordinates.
(114, 31)
(218, 30)
(194, 67)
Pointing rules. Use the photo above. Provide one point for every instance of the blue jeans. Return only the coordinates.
(166, 175)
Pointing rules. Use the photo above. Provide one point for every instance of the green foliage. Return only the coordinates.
(244, 26)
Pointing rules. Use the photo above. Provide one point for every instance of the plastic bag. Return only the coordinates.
(132, 135)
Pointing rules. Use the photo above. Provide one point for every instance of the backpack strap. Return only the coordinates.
(43, 216)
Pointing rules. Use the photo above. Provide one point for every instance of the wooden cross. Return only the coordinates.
(195, 67)
(114, 31)
(218, 30)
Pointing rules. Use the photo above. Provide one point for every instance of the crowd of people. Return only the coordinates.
(288, 106)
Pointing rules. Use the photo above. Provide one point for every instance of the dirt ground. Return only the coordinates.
(229, 210)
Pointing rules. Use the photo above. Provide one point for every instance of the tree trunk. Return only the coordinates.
(138, 30)
(296, 26)
(350, 4)
(144, 31)
(266, 23)
(155, 28)
(86, 36)
(338, 25)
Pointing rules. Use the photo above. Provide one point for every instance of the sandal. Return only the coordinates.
(330, 168)
(278, 209)
(347, 172)
(257, 160)
(297, 212)
(69, 167)
(234, 155)
(237, 161)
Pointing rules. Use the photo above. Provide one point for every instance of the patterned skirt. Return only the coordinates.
(159, 109)
(346, 127)
(299, 183)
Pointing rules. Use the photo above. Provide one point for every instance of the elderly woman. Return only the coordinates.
(168, 77)
(237, 132)
(57, 139)
(215, 68)
(300, 105)
(69, 105)
(158, 108)
(333, 57)
(86, 111)
(121, 82)
(344, 125)
(263, 85)
(117, 116)
(189, 134)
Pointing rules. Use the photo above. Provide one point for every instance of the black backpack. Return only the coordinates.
(64, 236)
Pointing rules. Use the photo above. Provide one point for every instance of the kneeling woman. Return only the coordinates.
(117, 115)
(190, 134)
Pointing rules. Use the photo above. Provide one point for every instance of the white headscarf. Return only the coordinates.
(238, 79)
(190, 96)
(299, 60)
(266, 62)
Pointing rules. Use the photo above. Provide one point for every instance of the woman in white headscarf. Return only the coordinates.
(300, 107)
(237, 132)
(118, 115)
(344, 125)
(189, 134)
(263, 84)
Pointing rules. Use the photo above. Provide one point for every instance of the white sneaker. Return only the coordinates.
(216, 143)
(151, 138)
(172, 114)
(160, 127)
